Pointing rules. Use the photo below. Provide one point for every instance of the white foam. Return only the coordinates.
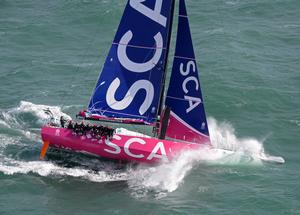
(30, 135)
(168, 177)
(223, 137)
(37, 110)
(4, 123)
(11, 117)
(227, 149)
(5, 140)
(43, 168)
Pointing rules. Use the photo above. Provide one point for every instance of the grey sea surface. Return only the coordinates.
(248, 54)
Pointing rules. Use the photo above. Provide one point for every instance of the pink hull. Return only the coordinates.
(120, 147)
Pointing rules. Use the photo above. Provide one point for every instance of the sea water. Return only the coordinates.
(51, 53)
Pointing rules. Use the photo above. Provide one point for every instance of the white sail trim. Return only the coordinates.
(187, 125)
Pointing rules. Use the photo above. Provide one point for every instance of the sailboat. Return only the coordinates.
(131, 86)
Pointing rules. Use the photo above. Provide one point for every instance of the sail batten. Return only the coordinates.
(182, 57)
(136, 46)
(187, 117)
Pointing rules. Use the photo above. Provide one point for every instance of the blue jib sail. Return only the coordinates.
(130, 83)
(187, 117)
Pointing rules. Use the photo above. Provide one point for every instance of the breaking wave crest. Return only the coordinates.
(23, 123)
(227, 149)
(44, 168)
(17, 116)
(27, 118)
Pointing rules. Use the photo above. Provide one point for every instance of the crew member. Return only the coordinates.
(62, 121)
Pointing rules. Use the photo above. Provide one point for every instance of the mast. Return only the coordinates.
(166, 61)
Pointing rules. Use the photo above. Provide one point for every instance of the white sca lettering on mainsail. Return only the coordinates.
(134, 66)
(130, 83)
(155, 14)
(184, 98)
(130, 95)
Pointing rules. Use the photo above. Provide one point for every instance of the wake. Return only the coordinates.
(227, 150)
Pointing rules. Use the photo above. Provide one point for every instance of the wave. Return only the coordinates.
(27, 118)
(11, 115)
(227, 149)
(44, 168)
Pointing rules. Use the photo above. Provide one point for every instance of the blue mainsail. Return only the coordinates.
(130, 83)
(184, 98)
